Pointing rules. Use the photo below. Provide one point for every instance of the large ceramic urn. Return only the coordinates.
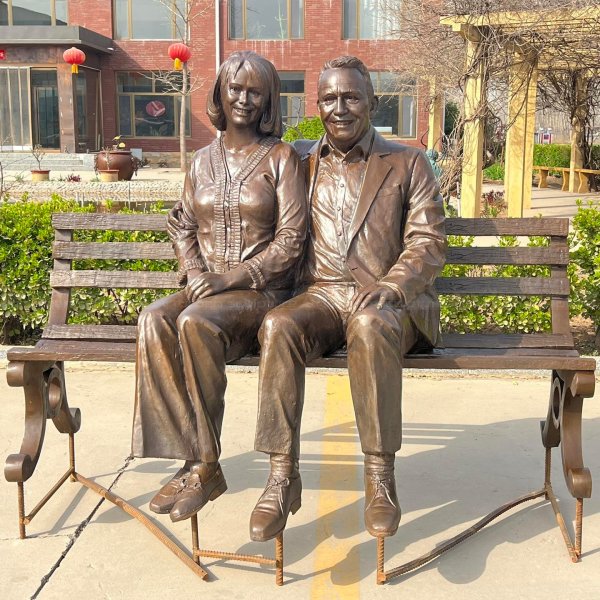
(120, 160)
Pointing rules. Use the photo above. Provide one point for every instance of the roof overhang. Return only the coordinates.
(47, 35)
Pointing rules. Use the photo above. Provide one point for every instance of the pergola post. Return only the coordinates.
(472, 176)
(577, 132)
(519, 138)
(436, 118)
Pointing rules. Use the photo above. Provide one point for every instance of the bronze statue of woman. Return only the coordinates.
(238, 233)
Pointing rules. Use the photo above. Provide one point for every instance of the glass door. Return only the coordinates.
(15, 128)
(44, 99)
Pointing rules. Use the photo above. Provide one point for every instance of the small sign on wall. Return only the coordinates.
(2, 54)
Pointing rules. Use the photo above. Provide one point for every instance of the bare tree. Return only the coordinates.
(539, 34)
(186, 14)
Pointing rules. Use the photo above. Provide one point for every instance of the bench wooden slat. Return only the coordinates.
(477, 286)
(454, 340)
(115, 279)
(113, 222)
(122, 333)
(524, 226)
(521, 359)
(503, 286)
(113, 250)
(507, 340)
(507, 256)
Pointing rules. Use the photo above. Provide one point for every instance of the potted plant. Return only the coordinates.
(117, 157)
(39, 174)
(104, 167)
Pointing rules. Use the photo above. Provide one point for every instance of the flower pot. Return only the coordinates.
(40, 175)
(108, 175)
(120, 160)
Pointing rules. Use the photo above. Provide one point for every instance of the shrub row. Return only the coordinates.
(26, 238)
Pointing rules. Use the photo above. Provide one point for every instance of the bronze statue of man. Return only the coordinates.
(375, 246)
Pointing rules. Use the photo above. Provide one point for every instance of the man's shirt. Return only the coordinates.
(336, 192)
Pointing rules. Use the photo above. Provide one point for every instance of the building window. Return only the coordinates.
(371, 19)
(397, 110)
(266, 19)
(148, 19)
(33, 12)
(148, 107)
(292, 97)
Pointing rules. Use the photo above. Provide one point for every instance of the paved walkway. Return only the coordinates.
(470, 445)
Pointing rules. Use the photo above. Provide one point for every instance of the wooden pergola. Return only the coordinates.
(539, 40)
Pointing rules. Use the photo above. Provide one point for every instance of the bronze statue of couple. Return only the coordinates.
(336, 242)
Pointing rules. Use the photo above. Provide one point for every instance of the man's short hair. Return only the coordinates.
(351, 62)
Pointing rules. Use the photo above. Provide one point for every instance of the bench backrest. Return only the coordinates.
(484, 251)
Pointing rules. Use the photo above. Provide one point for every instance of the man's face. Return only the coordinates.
(344, 106)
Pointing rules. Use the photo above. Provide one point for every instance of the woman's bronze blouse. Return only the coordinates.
(255, 218)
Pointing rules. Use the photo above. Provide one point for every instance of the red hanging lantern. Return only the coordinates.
(75, 57)
(180, 54)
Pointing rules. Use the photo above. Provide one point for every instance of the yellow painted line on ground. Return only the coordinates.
(339, 513)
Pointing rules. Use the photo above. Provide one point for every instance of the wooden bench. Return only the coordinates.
(585, 177)
(39, 370)
(544, 172)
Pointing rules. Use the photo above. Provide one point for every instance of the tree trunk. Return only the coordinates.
(182, 107)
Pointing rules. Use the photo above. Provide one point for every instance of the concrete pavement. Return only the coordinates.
(470, 445)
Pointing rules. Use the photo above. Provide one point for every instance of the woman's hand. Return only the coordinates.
(203, 284)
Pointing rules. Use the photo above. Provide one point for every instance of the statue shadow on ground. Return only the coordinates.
(462, 473)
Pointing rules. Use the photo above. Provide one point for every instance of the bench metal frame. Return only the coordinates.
(40, 370)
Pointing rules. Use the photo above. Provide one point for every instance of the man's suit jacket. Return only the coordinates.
(397, 233)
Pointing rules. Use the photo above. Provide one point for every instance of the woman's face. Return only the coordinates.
(244, 99)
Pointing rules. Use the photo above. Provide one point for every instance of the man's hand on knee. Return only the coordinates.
(375, 293)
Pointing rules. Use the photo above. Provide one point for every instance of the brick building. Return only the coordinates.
(126, 41)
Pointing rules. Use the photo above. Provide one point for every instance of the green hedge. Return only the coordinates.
(26, 238)
(552, 155)
(310, 128)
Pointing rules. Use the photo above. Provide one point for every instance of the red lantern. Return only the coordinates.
(75, 57)
(180, 54)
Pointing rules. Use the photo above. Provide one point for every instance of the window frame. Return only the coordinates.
(10, 17)
(132, 96)
(245, 23)
(400, 95)
(175, 34)
(356, 33)
(289, 96)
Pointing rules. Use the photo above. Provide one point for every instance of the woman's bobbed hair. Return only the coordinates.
(270, 122)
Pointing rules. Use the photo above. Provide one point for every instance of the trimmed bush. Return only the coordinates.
(310, 128)
(26, 237)
(494, 172)
(552, 155)
(584, 268)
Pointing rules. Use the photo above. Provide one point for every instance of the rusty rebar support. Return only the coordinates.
(47, 497)
(144, 520)
(72, 455)
(195, 541)
(561, 524)
(461, 537)
(381, 577)
(548, 468)
(21, 502)
(578, 525)
(279, 559)
(253, 558)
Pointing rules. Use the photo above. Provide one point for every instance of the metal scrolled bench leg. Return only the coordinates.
(562, 425)
(276, 562)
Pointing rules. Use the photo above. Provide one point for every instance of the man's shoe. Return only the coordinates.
(281, 496)
(382, 511)
(198, 488)
(164, 499)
